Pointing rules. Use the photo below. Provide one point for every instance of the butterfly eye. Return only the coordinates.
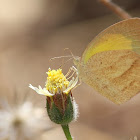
(76, 60)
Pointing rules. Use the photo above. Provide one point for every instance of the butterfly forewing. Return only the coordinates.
(111, 62)
(124, 35)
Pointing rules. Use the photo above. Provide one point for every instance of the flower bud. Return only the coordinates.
(60, 103)
(61, 108)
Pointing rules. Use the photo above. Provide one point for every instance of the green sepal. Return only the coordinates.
(54, 113)
(61, 118)
(69, 113)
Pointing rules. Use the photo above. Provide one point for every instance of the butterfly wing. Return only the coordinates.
(111, 62)
(124, 35)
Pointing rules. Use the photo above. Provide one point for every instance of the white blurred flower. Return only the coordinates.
(22, 122)
(135, 138)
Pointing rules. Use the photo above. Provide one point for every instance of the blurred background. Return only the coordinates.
(32, 32)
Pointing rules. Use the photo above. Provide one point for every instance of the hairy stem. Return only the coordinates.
(67, 132)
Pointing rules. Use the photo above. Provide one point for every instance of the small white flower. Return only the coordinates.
(22, 122)
(135, 138)
(58, 83)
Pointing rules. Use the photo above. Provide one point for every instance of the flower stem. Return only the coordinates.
(67, 132)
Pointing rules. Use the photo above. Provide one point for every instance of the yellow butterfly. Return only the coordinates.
(111, 62)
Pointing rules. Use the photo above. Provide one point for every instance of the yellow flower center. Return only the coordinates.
(56, 81)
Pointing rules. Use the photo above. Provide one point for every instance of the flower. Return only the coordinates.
(57, 82)
(60, 104)
(22, 122)
(135, 138)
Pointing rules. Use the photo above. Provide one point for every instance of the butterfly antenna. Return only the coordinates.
(60, 57)
(65, 62)
(70, 52)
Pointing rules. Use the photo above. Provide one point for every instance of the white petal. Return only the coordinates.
(36, 89)
(41, 91)
(46, 92)
(71, 86)
(4, 134)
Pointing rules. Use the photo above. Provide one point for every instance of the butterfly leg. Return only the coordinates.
(76, 79)
(70, 70)
(68, 73)
(74, 69)
(80, 82)
(116, 9)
